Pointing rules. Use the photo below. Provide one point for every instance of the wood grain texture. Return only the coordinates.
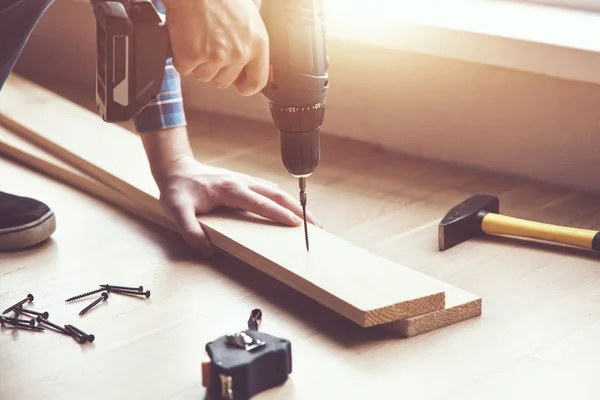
(459, 305)
(14, 146)
(364, 287)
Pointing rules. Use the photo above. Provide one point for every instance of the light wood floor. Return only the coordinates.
(538, 337)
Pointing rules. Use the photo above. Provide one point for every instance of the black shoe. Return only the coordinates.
(24, 222)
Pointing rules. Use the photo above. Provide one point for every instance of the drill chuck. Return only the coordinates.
(299, 139)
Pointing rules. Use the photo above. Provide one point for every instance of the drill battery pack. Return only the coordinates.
(132, 48)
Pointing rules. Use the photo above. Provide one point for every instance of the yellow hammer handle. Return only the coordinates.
(504, 225)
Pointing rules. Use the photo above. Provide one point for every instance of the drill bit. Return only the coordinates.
(302, 185)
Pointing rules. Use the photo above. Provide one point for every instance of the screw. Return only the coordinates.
(124, 288)
(79, 338)
(130, 293)
(29, 298)
(88, 308)
(27, 327)
(80, 296)
(255, 319)
(17, 321)
(80, 334)
(50, 324)
(17, 311)
(44, 314)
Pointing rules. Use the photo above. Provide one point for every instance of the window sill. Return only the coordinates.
(527, 37)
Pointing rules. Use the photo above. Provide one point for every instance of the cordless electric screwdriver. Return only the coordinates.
(133, 46)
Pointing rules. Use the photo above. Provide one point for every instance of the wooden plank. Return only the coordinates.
(365, 288)
(459, 304)
(14, 146)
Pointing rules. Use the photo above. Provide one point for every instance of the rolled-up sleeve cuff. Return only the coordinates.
(166, 110)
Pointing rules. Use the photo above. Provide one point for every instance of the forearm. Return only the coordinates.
(163, 148)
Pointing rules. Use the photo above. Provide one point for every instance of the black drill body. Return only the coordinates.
(133, 46)
(298, 80)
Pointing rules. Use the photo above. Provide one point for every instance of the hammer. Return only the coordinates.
(479, 215)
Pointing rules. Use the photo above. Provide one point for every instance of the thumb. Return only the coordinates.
(184, 214)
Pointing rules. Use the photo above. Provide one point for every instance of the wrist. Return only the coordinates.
(164, 148)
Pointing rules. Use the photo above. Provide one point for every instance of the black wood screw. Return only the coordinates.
(50, 324)
(139, 289)
(255, 319)
(26, 327)
(131, 292)
(103, 297)
(17, 321)
(76, 336)
(18, 325)
(81, 296)
(44, 314)
(89, 337)
(17, 311)
(29, 298)
(79, 334)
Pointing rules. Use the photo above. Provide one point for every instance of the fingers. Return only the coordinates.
(218, 40)
(256, 74)
(186, 53)
(184, 214)
(267, 182)
(206, 72)
(227, 75)
(251, 179)
(285, 200)
(252, 201)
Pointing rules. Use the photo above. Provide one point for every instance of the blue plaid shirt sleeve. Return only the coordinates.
(166, 110)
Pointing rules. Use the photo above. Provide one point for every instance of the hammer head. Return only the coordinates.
(463, 221)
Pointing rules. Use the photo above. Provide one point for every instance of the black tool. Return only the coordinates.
(245, 363)
(133, 46)
(298, 83)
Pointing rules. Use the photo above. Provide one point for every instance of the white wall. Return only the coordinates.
(487, 117)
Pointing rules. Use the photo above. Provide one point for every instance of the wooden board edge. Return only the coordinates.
(424, 323)
(408, 309)
(85, 184)
(74, 160)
